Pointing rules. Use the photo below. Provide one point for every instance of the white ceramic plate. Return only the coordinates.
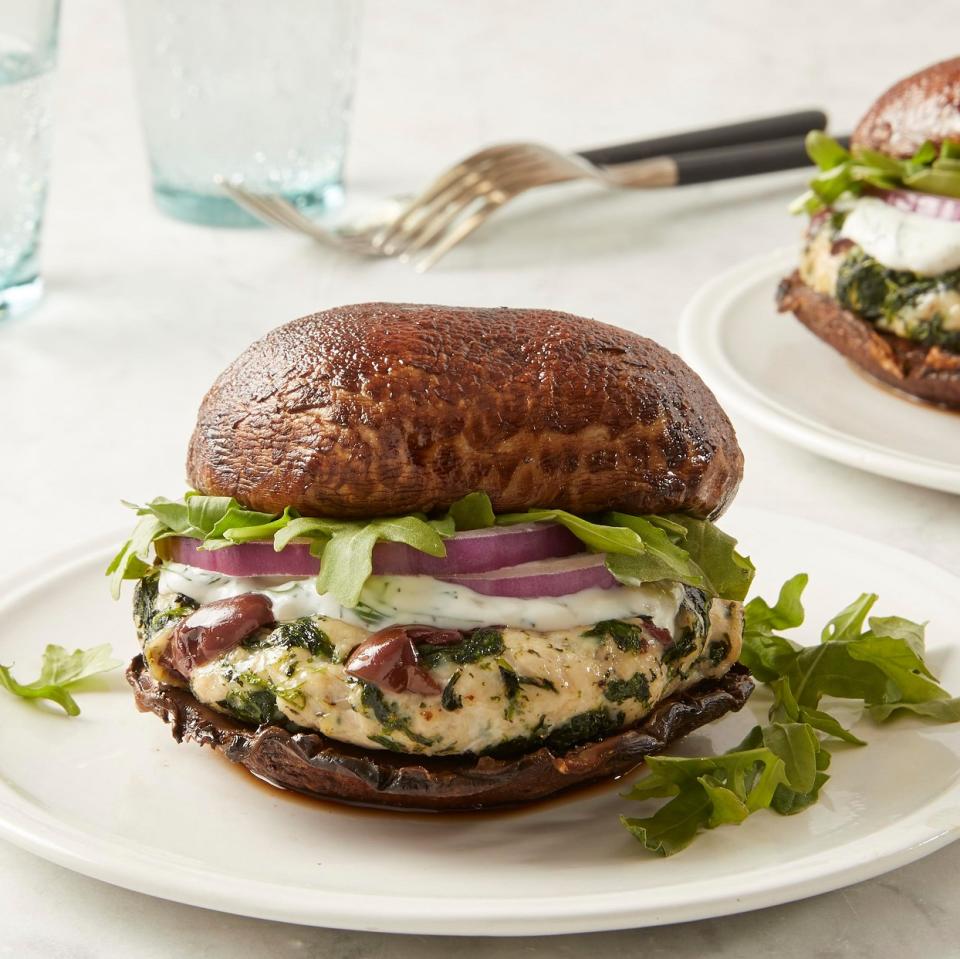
(769, 368)
(110, 794)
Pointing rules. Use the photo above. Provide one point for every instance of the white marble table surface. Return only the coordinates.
(98, 387)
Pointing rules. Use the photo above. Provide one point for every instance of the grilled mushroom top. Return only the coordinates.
(383, 409)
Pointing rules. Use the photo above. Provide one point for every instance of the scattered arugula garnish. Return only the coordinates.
(782, 765)
(639, 549)
(58, 670)
(842, 171)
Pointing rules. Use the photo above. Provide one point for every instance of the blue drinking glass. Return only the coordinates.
(257, 93)
(28, 45)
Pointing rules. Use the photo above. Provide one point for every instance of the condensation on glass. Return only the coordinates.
(257, 93)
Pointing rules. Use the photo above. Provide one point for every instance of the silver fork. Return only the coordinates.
(465, 196)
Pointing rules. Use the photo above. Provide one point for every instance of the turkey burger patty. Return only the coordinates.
(498, 688)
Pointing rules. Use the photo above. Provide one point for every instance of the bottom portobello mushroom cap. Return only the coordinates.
(314, 765)
(927, 372)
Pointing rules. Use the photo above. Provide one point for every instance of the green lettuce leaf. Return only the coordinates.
(60, 669)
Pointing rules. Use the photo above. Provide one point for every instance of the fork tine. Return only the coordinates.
(458, 229)
(522, 177)
(461, 232)
(453, 180)
(473, 162)
(395, 236)
(436, 220)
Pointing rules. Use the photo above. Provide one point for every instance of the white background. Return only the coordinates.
(99, 386)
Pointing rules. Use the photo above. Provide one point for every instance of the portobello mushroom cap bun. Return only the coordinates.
(444, 558)
(879, 275)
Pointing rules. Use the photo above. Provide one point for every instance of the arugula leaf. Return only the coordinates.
(942, 710)
(786, 709)
(881, 666)
(896, 627)
(848, 623)
(205, 512)
(714, 551)
(824, 150)
(786, 613)
(742, 781)
(640, 549)
(600, 537)
(445, 526)
(783, 765)
(308, 527)
(348, 557)
(240, 525)
(58, 670)
(173, 515)
(644, 549)
(843, 171)
(726, 807)
(474, 511)
(764, 653)
(658, 544)
(797, 745)
(673, 826)
(132, 562)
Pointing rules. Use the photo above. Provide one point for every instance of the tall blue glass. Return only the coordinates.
(28, 44)
(252, 91)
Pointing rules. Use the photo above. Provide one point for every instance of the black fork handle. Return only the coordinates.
(727, 163)
(733, 134)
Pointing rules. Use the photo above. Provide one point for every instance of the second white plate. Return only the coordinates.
(770, 369)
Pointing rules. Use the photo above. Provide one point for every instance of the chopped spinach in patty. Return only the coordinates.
(636, 687)
(476, 645)
(592, 724)
(584, 727)
(628, 637)
(302, 633)
(388, 716)
(449, 699)
(718, 651)
(148, 618)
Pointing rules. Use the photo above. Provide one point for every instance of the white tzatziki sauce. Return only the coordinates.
(402, 600)
(902, 240)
